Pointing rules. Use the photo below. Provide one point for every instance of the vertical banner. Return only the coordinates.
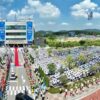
(2, 31)
(30, 32)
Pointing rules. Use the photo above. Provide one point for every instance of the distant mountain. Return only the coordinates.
(44, 32)
(67, 32)
(92, 30)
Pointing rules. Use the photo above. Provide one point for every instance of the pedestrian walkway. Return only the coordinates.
(92, 93)
(93, 96)
(16, 57)
(20, 55)
(56, 96)
(13, 90)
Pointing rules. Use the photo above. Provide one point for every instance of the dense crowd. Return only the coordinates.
(4, 68)
(42, 59)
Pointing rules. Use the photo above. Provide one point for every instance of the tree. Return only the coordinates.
(93, 69)
(49, 52)
(63, 79)
(52, 68)
(73, 65)
(43, 76)
(61, 70)
(82, 42)
(69, 61)
(82, 59)
(31, 59)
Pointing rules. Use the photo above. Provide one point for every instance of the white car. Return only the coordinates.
(13, 76)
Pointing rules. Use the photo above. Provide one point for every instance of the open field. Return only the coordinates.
(66, 39)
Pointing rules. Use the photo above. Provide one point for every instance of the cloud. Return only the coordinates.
(49, 10)
(51, 23)
(44, 10)
(24, 13)
(64, 24)
(96, 15)
(81, 9)
(12, 13)
(89, 24)
(85, 4)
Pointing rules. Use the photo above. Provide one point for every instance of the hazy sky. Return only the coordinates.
(53, 14)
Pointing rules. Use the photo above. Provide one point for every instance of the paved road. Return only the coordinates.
(19, 84)
(21, 60)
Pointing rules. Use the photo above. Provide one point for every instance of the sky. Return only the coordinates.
(53, 15)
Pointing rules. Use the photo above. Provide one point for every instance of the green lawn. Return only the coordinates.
(54, 90)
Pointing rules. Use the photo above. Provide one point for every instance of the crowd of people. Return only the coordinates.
(4, 68)
(39, 87)
(42, 59)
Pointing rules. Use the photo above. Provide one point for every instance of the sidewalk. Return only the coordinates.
(88, 94)
(57, 96)
(93, 96)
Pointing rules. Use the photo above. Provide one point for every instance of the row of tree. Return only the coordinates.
(43, 76)
(77, 32)
(55, 43)
(69, 63)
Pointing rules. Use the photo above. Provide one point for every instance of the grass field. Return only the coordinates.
(66, 39)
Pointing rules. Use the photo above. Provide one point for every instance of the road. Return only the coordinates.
(18, 85)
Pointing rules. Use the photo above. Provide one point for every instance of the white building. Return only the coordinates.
(16, 32)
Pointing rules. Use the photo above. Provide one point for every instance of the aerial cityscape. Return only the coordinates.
(49, 50)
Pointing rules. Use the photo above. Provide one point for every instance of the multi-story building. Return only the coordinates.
(16, 32)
